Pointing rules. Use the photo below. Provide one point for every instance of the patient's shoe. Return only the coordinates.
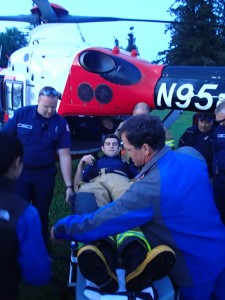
(97, 264)
(157, 264)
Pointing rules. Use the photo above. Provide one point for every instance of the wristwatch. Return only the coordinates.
(69, 187)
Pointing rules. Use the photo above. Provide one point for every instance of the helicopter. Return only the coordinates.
(96, 81)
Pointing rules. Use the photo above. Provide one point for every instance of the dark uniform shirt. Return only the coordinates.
(111, 164)
(41, 137)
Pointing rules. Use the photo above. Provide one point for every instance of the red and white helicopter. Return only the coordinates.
(96, 81)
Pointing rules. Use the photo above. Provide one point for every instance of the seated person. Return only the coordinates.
(108, 176)
(200, 137)
(98, 261)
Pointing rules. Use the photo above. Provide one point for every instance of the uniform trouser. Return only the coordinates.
(219, 194)
(106, 187)
(37, 187)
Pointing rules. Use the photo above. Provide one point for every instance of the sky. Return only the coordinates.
(150, 37)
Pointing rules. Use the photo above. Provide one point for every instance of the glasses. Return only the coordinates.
(48, 92)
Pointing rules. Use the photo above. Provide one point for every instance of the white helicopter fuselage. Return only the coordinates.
(47, 60)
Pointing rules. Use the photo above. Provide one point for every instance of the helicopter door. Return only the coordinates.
(13, 96)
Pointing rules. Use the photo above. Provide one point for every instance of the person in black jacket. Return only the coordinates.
(23, 255)
(200, 137)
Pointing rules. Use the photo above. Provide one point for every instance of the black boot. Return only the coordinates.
(142, 267)
(97, 263)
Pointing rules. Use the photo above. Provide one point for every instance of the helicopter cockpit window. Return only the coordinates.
(13, 91)
(125, 73)
(96, 62)
(111, 68)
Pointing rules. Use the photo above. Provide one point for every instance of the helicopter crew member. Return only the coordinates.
(22, 253)
(42, 132)
(201, 137)
(170, 209)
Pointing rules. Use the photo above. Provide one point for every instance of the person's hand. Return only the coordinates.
(86, 160)
(69, 192)
(53, 238)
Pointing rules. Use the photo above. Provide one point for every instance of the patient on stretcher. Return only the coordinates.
(108, 178)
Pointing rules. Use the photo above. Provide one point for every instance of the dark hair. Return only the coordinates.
(48, 91)
(143, 129)
(10, 149)
(110, 136)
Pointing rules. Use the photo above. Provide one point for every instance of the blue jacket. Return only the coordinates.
(173, 203)
(219, 151)
(22, 246)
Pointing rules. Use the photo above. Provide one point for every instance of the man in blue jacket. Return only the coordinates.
(171, 204)
(22, 252)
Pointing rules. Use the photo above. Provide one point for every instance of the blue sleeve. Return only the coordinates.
(86, 173)
(125, 213)
(33, 258)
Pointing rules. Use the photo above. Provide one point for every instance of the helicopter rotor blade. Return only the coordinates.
(47, 13)
(88, 19)
(32, 19)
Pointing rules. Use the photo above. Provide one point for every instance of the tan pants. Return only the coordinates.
(106, 187)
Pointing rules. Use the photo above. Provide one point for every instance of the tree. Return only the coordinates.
(131, 42)
(10, 41)
(197, 37)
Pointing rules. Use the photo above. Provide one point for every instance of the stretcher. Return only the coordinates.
(84, 290)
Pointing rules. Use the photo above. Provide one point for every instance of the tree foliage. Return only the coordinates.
(10, 41)
(131, 42)
(197, 34)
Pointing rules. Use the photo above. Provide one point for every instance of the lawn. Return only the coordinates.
(58, 290)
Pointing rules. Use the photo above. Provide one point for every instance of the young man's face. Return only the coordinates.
(47, 105)
(111, 147)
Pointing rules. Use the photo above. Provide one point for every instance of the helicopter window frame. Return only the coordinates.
(13, 94)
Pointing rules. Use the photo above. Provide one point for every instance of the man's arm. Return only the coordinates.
(66, 169)
(85, 160)
(125, 213)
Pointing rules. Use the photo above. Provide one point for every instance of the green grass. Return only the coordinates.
(61, 251)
